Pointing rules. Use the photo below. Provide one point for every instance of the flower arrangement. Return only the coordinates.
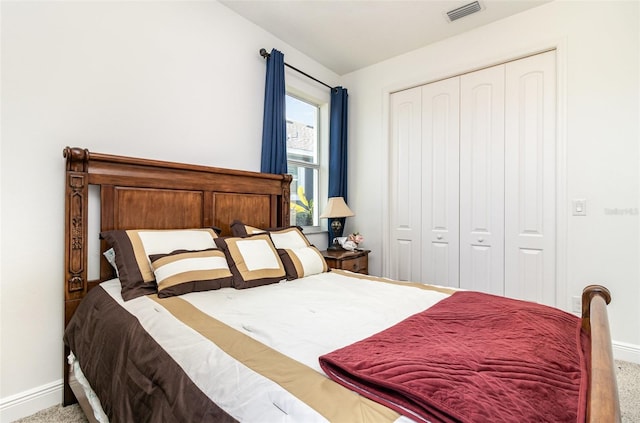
(356, 238)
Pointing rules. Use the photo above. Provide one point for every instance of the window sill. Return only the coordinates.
(313, 230)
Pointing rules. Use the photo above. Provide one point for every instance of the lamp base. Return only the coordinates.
(336, 231)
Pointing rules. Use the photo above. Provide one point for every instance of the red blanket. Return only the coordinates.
(473, 357)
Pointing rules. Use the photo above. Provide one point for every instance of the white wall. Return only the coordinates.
(599, 76)
(179, 81)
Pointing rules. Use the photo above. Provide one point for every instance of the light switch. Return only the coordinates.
(579, 207)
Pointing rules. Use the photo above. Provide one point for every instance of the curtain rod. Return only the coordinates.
(265, 54)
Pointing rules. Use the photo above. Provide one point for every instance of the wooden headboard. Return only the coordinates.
(150, 194)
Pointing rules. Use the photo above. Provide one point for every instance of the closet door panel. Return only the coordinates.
(530, 179)
(405, 170)
(482, 180)
(440, 182)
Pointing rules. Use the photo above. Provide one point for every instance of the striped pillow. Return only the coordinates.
(303, 261)
(133, 248)
(181, 272)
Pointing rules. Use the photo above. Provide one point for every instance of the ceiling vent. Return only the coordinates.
(463, 11)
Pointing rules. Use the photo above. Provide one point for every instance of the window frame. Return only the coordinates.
(302, 90)
(313, 165)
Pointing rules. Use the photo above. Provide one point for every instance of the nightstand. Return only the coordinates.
(354, 261)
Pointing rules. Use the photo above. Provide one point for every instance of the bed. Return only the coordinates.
(270, 334)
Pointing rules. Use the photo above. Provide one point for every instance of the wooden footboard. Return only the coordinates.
(603, 403)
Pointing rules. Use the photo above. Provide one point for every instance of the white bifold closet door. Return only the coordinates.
(472, 181)
(405, 163)
(530, 178)
(440, 182)
(482, 176)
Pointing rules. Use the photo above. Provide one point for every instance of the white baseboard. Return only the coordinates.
(31, 401)
(626, 352)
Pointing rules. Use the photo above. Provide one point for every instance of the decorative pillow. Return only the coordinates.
(133, 248)
(181, 271)
(298, 256)
(303, 261)
(289, 238)
(240, 229)
(253, 260)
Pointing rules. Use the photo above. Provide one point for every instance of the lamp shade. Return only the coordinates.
(336, 207)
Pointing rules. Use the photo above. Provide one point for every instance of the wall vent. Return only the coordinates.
(463, 11)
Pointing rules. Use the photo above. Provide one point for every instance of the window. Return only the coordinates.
(303, 122)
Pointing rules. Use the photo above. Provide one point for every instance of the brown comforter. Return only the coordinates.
(134, 378)
(473, 358)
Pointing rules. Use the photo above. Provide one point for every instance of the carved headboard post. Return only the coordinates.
(76, 203)
(75, 252)
(286, 201)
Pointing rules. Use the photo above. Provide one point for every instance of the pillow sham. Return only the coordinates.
(240, 229)
(299, 257)
(133, 248)
(289, 238)
(253, 260)
(182, 271)
(303, 261)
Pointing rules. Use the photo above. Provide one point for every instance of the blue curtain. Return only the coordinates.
(338, 148)
(274, 127)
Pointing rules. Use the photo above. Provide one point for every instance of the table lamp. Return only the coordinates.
(336, 208)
